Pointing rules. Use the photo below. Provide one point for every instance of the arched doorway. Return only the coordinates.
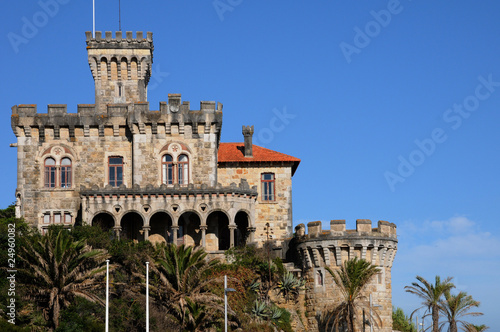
(104, 220)
(242, 221)
(132, 226)
(161, 224)
(189, 232)
(217, 237)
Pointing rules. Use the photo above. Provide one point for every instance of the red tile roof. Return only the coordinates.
(234, 153)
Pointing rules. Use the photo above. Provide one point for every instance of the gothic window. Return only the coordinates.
(268, 186)
(167, 169)
(115, 165)
(50, 173)
(183, 168)
(66, 173)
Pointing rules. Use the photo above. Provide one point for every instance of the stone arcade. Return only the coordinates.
(164, 176)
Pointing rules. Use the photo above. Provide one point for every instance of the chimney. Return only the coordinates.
(248, 133)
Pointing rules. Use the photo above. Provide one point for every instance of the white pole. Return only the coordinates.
(107, 295)
(93, 18)
(147, 296)
(370, 318)
(225, 304)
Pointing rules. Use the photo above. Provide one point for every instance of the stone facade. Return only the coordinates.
(163, 175)
(143, 172)
(319, 249)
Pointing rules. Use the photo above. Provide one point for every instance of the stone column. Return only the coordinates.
(203, 233)
(117, 230)
(146, 232)
(251, 234)
(174, 230)
(231, 235)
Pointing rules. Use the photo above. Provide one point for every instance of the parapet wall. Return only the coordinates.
(321, 249)
(174, 116)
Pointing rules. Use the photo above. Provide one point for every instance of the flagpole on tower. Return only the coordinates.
(93, 18)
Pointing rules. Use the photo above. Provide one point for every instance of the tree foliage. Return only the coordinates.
(351, 279)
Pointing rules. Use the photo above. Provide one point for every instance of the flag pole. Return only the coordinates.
(107, 295)
(93, 18)
(147, 296)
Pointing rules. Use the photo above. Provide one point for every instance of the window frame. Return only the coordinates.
(167, 168)
(266, 186)
(116, 182)
(183, 170)
(50, 173)
(66, 173)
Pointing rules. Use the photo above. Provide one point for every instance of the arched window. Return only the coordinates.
(167, 169)
(66, 173)
(50, 173)
(183, 167)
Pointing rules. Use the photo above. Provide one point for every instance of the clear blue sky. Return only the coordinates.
(393, 107)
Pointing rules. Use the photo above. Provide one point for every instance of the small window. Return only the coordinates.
(67, 218)
(46, 218)
(268, 187)
(50, 173)
(183, 166)
(167, 166)
(57, 218)
(66, 173)
(115, 171)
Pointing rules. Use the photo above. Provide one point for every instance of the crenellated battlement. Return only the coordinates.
(107, 41)
(173, 117)
(319, 250)
(331, 247)
(338, 228)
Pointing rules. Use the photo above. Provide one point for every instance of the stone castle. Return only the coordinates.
(164, 176)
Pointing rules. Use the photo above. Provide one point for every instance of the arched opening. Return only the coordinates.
(189, 232)
(103, 220)
(242, 221)
(161, 224)
(132, 226)
(217, 237)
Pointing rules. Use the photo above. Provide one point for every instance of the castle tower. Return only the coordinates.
(319, 249)
(121, 67)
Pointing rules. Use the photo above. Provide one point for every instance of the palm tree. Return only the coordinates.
(351, 279)
(475, 328)
(55, 269)
(454, 307)
(181, 278)
(431, 295)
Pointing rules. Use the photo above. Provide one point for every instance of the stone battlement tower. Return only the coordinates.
(319, 249)
(121, 67)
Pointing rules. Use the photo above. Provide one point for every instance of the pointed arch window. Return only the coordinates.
(167, 169)
(50, 173)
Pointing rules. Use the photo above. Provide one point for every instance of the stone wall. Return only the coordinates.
(319, 249)
(277, 213)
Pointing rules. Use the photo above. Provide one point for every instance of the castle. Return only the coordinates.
(164, 176)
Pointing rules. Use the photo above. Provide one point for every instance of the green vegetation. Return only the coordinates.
(440, 302)
(61, 284)
(351, 279)
(401, 322)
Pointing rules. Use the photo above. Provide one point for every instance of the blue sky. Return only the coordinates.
(393, 107)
